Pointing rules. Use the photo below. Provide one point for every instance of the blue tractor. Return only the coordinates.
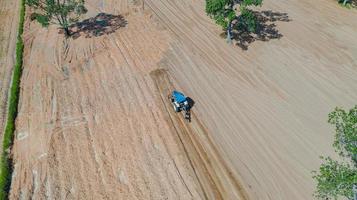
(180, 103)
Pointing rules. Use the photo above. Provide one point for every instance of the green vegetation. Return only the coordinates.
(337, 178)
(64, 13)
(224, 12)
(5, 160)
(348, 3)
(344, 2)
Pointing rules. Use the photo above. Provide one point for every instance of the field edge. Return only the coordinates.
(5, 160)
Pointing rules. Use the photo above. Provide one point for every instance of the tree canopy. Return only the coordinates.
(337, 178)
(224, 12)
(346, 132)
(61, 12)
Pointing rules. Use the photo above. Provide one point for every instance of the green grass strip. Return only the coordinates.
(8, 136)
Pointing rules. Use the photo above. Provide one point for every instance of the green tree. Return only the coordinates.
(337, 178)
(346, 132)
(224, 12)
(348, 3)
(61, 12)
(343, 2)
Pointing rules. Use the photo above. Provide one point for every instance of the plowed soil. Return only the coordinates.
(266, 107)
(94, 124)
(89, 126)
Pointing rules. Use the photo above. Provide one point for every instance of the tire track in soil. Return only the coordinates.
(214, 176)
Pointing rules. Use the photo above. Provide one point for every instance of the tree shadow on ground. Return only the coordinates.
(265, 31)
(97, 26)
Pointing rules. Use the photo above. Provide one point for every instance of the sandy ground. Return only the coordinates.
(212, 171)
(8, 34)
(89, 126)
(267, 107)
(92, 123)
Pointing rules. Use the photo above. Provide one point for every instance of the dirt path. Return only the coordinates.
(8, 33)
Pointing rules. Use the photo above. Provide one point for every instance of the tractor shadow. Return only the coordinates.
(265, 31)
(97, 26)
(190, 102)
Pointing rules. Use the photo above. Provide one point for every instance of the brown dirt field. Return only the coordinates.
(266, 108)
(88, 124)
(8, 33)
(213, 174)
(92, 122)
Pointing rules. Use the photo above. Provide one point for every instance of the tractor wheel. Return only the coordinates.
(171, 98)
(188, 116)
(176, 109)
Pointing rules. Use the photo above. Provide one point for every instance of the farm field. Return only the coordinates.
(94, 123)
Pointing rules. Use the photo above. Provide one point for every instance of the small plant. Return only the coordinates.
(339, 178)
(64, 12)
(225, 12)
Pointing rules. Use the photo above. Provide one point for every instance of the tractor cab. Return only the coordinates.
(180, 103)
